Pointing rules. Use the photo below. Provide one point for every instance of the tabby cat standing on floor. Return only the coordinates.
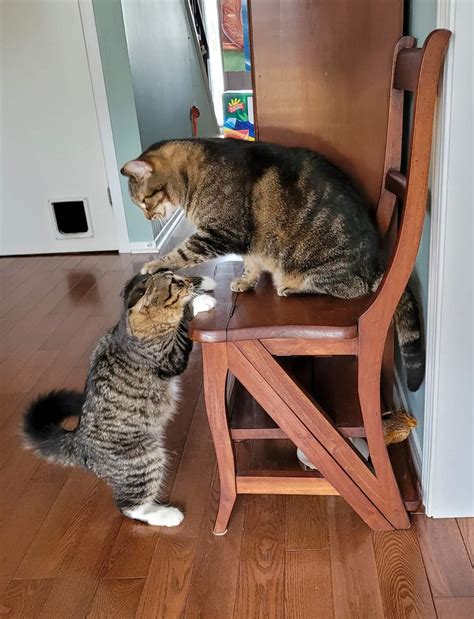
(130, 396)
(285, 210)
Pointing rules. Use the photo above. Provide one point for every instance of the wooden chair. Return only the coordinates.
(249, 334)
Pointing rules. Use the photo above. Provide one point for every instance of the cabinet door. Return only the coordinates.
(51, 147)
(321, 72)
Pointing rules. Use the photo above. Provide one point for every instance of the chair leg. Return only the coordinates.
(215, 376)
(370, 367)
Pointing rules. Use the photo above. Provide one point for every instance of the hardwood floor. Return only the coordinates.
(65, 551)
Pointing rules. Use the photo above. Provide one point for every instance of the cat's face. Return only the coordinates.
(155, 303)
(150, 188)
(405, 418)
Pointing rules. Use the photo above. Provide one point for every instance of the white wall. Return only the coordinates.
(121, 107)
(50, 142)
(167, 76)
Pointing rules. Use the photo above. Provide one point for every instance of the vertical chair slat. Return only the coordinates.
(407, 69)
(393, 144)
(414, 206)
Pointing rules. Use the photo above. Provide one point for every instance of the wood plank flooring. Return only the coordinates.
(65, 551)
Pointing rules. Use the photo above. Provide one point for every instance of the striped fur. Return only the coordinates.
(285, 210)
(130, 396)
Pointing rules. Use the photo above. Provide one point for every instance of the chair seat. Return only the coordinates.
(262, 314)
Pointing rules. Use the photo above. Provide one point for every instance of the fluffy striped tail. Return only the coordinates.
(408, 328)
(41, 425)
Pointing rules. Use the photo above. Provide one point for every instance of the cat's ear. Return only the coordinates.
(140, 170)
(137, 297)
(135, 289)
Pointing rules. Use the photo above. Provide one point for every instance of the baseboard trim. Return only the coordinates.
(144, 247)
(400, 401)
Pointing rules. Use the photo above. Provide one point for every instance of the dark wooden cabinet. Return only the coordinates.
(321, 74)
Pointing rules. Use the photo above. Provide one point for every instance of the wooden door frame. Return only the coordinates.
(447, 459)
(94, 60)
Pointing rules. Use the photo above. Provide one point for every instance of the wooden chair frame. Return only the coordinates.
(249, 354)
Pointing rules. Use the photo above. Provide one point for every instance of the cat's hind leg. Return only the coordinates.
(346, 286)
(138, 485)
(137, 502)
(354, 288)
(249, 277)
(287, 284)
(156, 515)
(351, 288)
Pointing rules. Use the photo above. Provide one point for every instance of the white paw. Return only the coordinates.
(156, 515)
(162, 516)
(304, 460)
(203, 303)
(208, 284)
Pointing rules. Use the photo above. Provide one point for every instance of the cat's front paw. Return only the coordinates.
(207, 284)
(241, 285)
(203, 303)
(152, 267)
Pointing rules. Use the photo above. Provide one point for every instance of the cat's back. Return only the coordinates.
(124, 396)
(286, 168)
(117, 373)
(244, 163)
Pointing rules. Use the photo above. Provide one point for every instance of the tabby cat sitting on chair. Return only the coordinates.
(285, 210)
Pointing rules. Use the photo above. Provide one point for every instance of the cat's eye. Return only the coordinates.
(154, 193)
(148, 198)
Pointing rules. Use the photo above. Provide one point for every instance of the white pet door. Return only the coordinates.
(71, 218)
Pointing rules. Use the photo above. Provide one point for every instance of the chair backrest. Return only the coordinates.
(416, 70)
